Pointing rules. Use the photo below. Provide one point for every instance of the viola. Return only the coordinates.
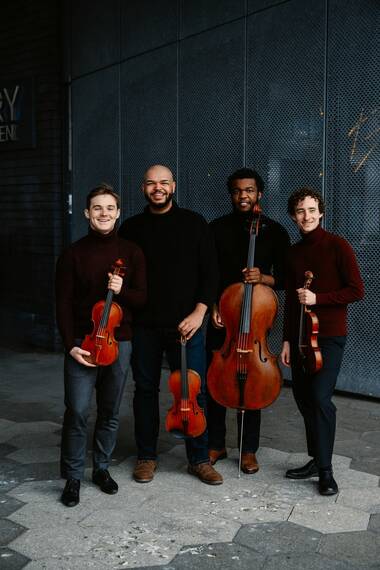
(308, 335)
(186, 418)
(106, 316)
(244, 374)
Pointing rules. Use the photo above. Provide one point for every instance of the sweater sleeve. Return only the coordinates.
(133, 295)
(64, 289)
(352, 285)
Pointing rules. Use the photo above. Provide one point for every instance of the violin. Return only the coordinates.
(186, 418)
(106, 316)
(244, 374)
(308, 335)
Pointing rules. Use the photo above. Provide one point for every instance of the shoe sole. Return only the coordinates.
(142, 480)
(301, 477)
(250, 472)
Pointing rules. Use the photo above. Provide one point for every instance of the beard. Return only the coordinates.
(160, 205)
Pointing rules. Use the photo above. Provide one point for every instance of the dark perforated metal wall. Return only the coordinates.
(289, 87)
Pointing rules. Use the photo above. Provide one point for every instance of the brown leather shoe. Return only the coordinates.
(206, 473)
(249, 463)
(216, 454)
(144, 470)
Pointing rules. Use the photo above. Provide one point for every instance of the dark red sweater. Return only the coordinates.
(336, 282)
(82, 278)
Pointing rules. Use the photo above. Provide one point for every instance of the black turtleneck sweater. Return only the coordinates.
(181, 263)
(336, 282)
(82, 279)
(231, 233)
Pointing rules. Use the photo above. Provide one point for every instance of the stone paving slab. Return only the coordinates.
(150, 524)
(330, 518)
(358, 548)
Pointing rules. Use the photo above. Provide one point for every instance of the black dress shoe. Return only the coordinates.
(102, 478)
(305, 472)
(70, 494)
(327, 484)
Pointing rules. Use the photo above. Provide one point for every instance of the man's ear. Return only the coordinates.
(174, 186)
(86, 213)
(118, 214)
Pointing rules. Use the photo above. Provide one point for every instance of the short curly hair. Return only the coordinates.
(300, 194)
(102, 188)
(245, 173)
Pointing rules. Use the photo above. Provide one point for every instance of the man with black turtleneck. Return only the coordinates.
(84, 273)
(231, 234)
(182, 276)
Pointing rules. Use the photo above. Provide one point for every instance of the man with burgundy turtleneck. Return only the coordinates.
(337, 282)
(83, 276)
(232, 236)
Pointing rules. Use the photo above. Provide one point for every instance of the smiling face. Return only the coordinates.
(244, 194)
(102, 213)
(307, 215)
(158, 188)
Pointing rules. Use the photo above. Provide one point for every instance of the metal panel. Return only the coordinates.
(149, 119)
(285, 101)
(258, 5)
(211, 115)
(198, 15)
(95, 35)
(95, 138)
(285, 108)
(353, 173)
(147, 24)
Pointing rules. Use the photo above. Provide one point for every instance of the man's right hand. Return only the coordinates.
(216, 318)
(78, 353)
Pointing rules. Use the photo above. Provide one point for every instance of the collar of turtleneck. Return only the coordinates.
(157, 214)
(314, 236)
(105, 237)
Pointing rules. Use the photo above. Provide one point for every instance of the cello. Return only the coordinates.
(308, 335)
(244, 374)
(106, 316)
(185, 418)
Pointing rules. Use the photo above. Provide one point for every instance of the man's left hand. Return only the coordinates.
(252, 275)
(115, 283)
(190, 324)
(306, 297)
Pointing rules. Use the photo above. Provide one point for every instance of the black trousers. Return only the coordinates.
(216, 414)
(313, 395)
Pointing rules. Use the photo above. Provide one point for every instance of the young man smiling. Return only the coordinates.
(231, 233)
(83, 277)
(336, 283)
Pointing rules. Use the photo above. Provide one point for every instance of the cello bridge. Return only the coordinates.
(244, 351)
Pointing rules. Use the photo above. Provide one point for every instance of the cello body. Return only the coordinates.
(244, 373)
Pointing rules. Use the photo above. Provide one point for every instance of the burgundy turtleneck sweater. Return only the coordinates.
(82, 279)
(336, 282)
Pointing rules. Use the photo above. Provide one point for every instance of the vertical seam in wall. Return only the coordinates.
(177, 95)
(245, 90)
(325, 109)
(119, 119)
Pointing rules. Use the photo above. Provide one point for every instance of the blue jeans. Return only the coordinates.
(149, 345)
(80, 381)
(313, 395)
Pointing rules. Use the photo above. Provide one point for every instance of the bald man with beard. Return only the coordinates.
(182, 282)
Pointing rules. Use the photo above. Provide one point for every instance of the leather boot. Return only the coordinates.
(206, 473)
(216, 455)
(304, 472)
(70, 494)
(249, 463)
(144, 470)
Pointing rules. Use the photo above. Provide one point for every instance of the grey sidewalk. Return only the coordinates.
(260, 521)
